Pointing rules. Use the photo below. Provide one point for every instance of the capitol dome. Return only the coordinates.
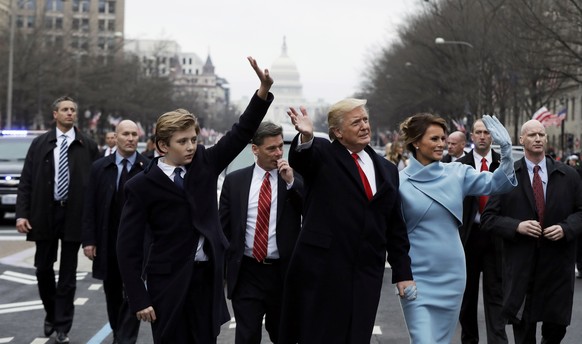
(285, 73)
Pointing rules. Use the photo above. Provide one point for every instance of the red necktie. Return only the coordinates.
(262, 226)
(483, 199)
(538, 191)
(363, 176)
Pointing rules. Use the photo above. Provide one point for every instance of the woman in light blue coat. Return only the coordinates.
(432, 204)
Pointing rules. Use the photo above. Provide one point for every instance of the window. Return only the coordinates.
(81, 6)
(27, 4)
(101, 6)
(25, 21)
(54, 5)
(101, 43)
(111, 25)
(111, 7)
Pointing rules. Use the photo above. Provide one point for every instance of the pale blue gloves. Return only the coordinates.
(409, 292)
(502, 138)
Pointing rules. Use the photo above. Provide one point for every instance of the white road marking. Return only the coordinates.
(377, 330)
(6, 340)
(80, 301)
(95, 286)
(20, 306)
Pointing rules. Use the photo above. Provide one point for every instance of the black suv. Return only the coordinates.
(13, 148)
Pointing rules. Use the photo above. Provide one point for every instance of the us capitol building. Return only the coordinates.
(288, 91)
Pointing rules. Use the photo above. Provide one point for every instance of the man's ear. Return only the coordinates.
(337, 132)
(255, 149)
(163, 147)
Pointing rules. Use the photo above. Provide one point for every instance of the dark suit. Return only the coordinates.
(447, 158)
(483, 255)
(100, 223)
(177, 286)
(251, 303)
(538, 274)
(335, 275)
(51, 221)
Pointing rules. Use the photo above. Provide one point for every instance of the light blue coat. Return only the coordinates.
(432, 206)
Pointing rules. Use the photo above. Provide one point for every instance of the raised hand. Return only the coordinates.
(497, 130)
(264, 76)
(302, 122)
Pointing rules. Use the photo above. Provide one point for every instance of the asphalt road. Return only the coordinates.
(21, 313)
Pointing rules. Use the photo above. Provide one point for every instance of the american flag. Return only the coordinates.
(547, 118)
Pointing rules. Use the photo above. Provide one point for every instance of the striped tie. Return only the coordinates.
(63, 177)
(263, 214)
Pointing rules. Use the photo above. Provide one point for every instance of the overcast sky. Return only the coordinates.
(328, 40)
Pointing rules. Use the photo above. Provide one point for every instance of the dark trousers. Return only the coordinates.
(195, 324)
(481, 256)
(57, 298)
(258, 293)
(123, 322)
(525, 333)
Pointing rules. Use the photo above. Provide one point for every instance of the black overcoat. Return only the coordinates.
(35, 200)
(175, 218)
(543, 265)
(97, 213)
(335, 275)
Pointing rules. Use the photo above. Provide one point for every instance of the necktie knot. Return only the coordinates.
(537, 168)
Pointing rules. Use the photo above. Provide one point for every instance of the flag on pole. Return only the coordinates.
(543, 114)
(459, 125)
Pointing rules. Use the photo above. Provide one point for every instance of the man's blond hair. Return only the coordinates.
(337, 111)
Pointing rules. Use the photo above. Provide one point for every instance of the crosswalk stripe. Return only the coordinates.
(21, 275)
(20, 309)
(21, 304)
(18, 280)
(81, 301)
(40, 341)
(95, 286)
(6, 340)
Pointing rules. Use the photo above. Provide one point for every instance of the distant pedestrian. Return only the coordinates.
(110, 144)
(539, 221)
(49, 209)
(456, 142)
(395, 154)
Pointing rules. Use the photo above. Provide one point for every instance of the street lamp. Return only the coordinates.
(10, 66)
(440, 40)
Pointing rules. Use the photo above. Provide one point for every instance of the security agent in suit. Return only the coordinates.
(47, 214)
(334, 279)
(101, 215)
(256, 287)
(538, 245)
(482, 253)
(456, 146)
(178, 286)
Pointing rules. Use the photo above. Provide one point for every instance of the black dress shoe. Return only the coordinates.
(62, 337)
(49, 328)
